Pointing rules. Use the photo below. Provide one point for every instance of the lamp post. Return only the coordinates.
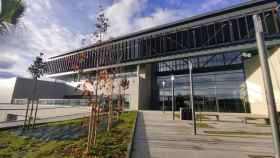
(191, 97)
(172, 85)
(163, 106)
(216, 99)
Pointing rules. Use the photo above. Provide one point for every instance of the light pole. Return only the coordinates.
(191, 97)
(267, 84)
(172, 85)
(163, 106)
(216, 99)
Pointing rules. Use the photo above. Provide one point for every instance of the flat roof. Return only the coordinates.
(206, 15)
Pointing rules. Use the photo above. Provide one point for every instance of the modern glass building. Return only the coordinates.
(221, 46)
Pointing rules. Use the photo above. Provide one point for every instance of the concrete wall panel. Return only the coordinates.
(255, 85)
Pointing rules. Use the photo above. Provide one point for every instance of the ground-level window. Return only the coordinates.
(213, 91)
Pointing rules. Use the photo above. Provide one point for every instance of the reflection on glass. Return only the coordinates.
(212, 91)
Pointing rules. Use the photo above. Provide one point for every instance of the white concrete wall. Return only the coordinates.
(145, 83)
(7, 89)
(254, 82)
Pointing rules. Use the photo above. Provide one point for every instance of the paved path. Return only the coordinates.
(157, 136)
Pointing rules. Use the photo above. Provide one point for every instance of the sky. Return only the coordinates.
(57, 26)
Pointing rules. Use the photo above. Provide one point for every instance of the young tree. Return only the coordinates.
(125, 85)
(37, 70)
(101, 28)
(102, 24)
(111, 89)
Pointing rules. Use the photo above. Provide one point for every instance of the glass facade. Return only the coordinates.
(216, 88)
(201, 62)
(215, 91)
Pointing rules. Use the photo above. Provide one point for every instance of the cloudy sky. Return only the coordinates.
(56, 26)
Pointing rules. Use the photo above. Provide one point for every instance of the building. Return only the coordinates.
(221, 46)
(17, 90)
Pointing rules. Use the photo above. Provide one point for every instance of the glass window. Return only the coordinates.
(213, 91)
(198, 39)
(204, 33)
(218, 32)
(211, 32)
(226, 31)
(180, 40)
(190, 39)
(271, 29)
(243, 28)
(235, 29)
(251, 27)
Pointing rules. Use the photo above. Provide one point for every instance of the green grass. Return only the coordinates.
(198, 116)
(109, 144)
(114, 143)
(177, 115)
(262, 125)
(203, 125)
(201, 117)
(68, 122)
(238, 133)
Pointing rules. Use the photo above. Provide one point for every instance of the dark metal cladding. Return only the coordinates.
(228, 27)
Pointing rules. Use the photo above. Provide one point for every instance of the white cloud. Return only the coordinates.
(39, 31)
(54, 27)
(210, 4)
(121, 15)
(125, 16)
(160, 16)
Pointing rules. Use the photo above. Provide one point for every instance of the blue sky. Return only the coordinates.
(56, 26)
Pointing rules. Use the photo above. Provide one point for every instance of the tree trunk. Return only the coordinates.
(32, 102)
(90, 126)
(36, 110)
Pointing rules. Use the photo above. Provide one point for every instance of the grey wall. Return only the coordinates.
(145, 84)
(45, 89)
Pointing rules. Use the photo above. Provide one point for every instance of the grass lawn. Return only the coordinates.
(177, 115)
(262, 125)
(109, 144)
(203, 125)
(200, 116)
